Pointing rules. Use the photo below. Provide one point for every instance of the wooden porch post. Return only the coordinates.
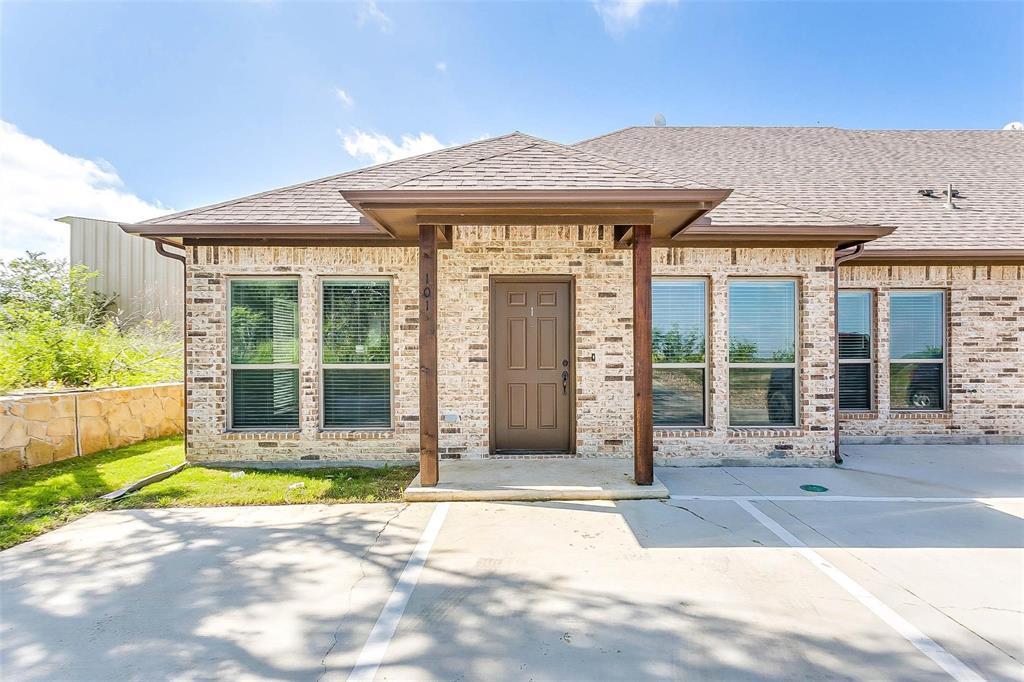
(428, 355)
(643, 407)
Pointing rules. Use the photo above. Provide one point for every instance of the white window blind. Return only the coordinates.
(917, 349)
(679, 328)
(762, 352)
(856, 377)
(264, 354)
(356, 369)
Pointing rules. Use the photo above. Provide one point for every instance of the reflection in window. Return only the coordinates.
(762, 352)
(356, 323)
(264, 362)
(678, 338)
(917, 350)
(855, 350)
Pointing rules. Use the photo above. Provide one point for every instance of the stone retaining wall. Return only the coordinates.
(42, 428)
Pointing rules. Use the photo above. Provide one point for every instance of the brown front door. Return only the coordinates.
(532, 365)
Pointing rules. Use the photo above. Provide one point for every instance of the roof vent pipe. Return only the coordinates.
(949, 196)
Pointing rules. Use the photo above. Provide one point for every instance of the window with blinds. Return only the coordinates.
(264, 354)
(679, 325)
(356, 355)
(917, 350)
(856, 375)
(762, 352)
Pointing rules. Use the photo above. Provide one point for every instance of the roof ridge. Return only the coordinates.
(598, 137)
(624, 166)
(326, 178)
(539, 142)
(760, 198)
(470, 161)
(967, 146)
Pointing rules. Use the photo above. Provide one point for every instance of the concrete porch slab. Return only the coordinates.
(534, 480)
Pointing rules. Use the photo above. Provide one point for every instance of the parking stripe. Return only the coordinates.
(376, 646)
(843, 498)
(945, 660)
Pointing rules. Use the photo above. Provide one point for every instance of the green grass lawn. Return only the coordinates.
(204, 487)
(34, 501)
(41, 499)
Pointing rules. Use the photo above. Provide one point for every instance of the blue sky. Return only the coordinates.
(126, 109)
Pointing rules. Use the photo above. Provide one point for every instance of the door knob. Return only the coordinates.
(565, 382)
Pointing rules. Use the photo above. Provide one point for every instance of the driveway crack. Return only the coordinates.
(352, 587)
(693, 513)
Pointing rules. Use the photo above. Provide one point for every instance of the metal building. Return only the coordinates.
(147, 285)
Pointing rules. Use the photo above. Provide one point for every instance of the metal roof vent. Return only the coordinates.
(659, 120)
(950, 194)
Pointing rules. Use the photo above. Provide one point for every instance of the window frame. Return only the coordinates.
(944, 360)
(231, 367)
(706, 412)
(321, 365)
(795, 365)
(870, 360)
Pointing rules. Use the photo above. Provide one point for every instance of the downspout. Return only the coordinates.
(840, 258)
(161, 248)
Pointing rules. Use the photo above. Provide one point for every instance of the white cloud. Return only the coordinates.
(369, 13)
(379, 148)
(1014, 125)
(441, 66)
(620, 15)
(39, 183)
(344, 98)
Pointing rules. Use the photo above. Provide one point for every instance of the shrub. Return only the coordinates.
(55, 332)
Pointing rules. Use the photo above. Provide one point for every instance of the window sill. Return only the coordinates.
(765, 432)
(859, 415)
(262, 435)
(683, 431)
(937, 415)
(355, 434)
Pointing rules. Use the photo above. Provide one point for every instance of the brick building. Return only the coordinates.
(666, 294)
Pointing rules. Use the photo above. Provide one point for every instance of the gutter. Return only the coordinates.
(840, 258)
(161, 248)
(943, 257)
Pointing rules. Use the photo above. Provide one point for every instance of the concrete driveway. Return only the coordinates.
(742, 575)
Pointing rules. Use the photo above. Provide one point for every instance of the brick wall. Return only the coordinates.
(984, 350)
(603, 344)
(810, 440)
(986, 310)
(206, 295)
(604, 315)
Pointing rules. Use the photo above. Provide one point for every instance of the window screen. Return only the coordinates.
(679, 325)
(762, 352)
(264, 362)
(917, 350)
(356, 354)
(855, 350)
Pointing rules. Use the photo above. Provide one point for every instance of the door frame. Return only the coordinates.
(491, 364)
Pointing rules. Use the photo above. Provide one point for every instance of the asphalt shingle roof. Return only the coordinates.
(780, 176)
(514, 161)
(864, 176)
(319, 201)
